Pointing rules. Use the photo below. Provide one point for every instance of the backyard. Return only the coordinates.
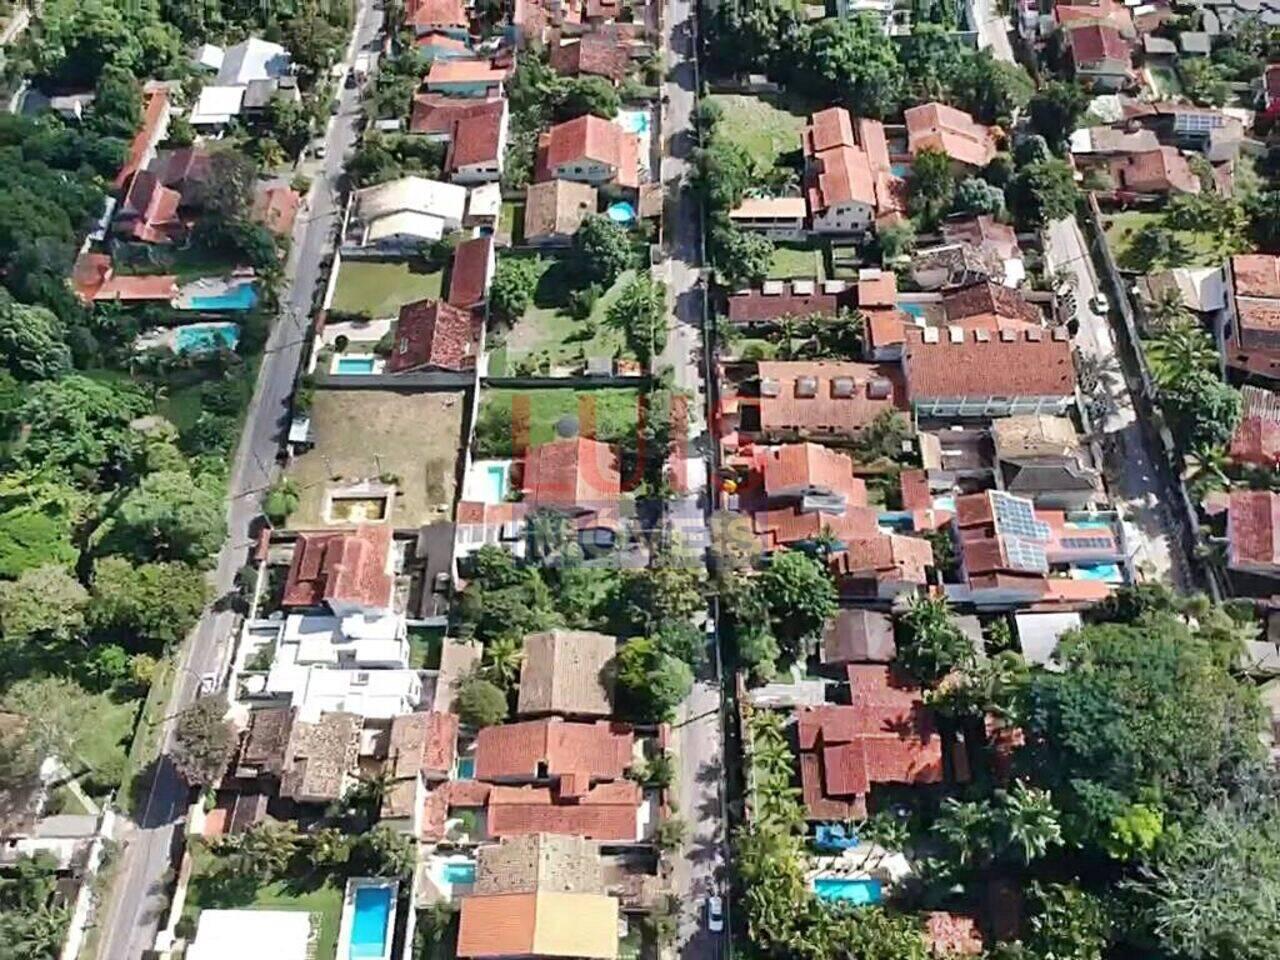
(1122, 230)
(512, 420)
(548, 335)
(379, 436)
(765, 126)
(381, 289)
(797, 260)
(216, 888)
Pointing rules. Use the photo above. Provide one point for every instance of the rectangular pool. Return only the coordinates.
(915, 309)
(206, 337)
(355, 365)
(458, 871)
(371, 926)
(242, 296)
(467, 768)
(857, 892)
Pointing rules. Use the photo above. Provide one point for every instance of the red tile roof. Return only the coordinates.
(435, 13)
(1033, 364)
(593, 55)
(794, 467)
(1102, 11)
(591, 138)
(476, 136)
(608, 811)
(469, 275)
(1163, 170)
(466, 71)
(914, 485)
(878, 288)
(1095, 42)
(578, 474)
(1257, 437)
(882, 558)
(790, 525)
(149, 210)
(94, 279)
(848, 160)
(153, 116)
(423, 743)
(986, 232)
(1253, 529)
(1256, 275)
(553, 747)
(986, 298)
(276, 208)
(438, 113)
(875, 388)
(936, 126)
(432, 333)
(343, 567)
(756, 306)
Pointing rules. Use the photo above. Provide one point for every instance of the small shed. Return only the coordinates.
(1194, 43)
(858, 636)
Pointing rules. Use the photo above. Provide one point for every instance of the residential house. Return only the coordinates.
(1043, 459)
(309, 762)
(275, 206)
(614, 812)
(153, 129)
(601, 12)
(818, 400)
(578, 477)
(857, 635)
(1162, 171)
(572, 756)
(475, 131)
(533, 20)
(95, 281)
(1099, 55)
(1113, 13)
(936, 126)
(258, 94)
(881, 567)
(403, 213)
(776, 299)
(575, 926)
(849, 183)
(1206, 130)
(349, 572)
(1253, 533)
(421, 752)
(447, 17)
(952, 265)
(440, 45)
(187, 170)
(591, 55)
(435, 335)
(1103, 143)
(471, 273)
(539, 861)
(567, 673)
(216, 107)
(1251, 328)
(589, 150)
(987, 305)
(1202, 290)
(1256, 440)
(250, 933)
(148, 211)
(484, 208)
(467, 78)
(885, 736)
(954, 373)
(779, 218)
(252, 59)
(554, 209)
(995, 240)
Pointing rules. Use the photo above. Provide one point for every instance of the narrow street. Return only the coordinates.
(129, 919)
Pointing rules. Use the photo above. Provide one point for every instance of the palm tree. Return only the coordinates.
(1028, 820)
(41, 931)
(330, 848)
(1207, 471)
(265, 850)
(1180, 353)
(965, 826)
(1095, 371)
(826, 542)
(1167, 310)
(502, 659)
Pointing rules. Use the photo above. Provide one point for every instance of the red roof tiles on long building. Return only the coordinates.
(348, 567)
(607, 811)
(1032, 364)
(432, 333)
(550, 748)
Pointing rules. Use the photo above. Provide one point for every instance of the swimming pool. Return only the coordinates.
(915, 309)
(495, 481)
(1089, 524)
(467, 768)
(621, 212)
(354, 365)
(1103, 572)
(634, 121)
(857, 892)
(242, 296)
(371, 926)
(900, 169)
(206, 337)
(458, 871)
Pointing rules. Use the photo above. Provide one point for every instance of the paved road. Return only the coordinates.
(140, 894)
(1134, 483)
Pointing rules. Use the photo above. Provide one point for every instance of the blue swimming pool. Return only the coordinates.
(1104, 572)
(634, 121)
(900, 169)
(495, 483)
(243, 296)
(372, 922)
(467, 768)
(915, 309)
(460, 872)
(857, 892)
(621, 212)
(206, 337)
(355, 365)
(1089, 524)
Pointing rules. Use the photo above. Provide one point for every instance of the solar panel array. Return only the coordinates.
(1025, 555)
(1086, 543)
(1016, 517)
(1196, 122)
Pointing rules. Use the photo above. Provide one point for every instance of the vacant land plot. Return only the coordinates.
(548, 334)
(361, 436)
(513, 420)
(796, 260)
(381, 289)
(765, 126)
(1122, 230)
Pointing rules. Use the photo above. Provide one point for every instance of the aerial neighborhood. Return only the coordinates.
(598, 480)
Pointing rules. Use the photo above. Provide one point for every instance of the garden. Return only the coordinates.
(377, 289)
(510, 421)
(766, 126)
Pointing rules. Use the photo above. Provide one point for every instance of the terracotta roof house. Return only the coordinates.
(436, 115)
(858, 636)
(591, 55)
(539, 861)
(263, 747)
(533, 19)
(276, 208)
(581, 926)
(780, 218)
(1253, 532)
(776, 299)
(471, 273)
(885, 736)
(958, 373)
(589, 150)
(349, 571)
(987, 299)
(554, 749)
(185, 169)
(423, 744)
(149, 211)
(1161, 171)
(994, 240)
(1252, 327)
(152, 131)
(1099, 55)
(567, 673)
(444, 16)
(821, 399)
(578, 476)
(606, 812)
(1042, 458)
(94, 279)
(1114, 13)
(433, 335)
(321, 758)
(936, 126)
(1257, 437)
(881, 566)
(477, 137)
(467, 77)
(849, 183)
(555, 209)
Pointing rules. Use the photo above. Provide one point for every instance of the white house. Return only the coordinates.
(217, 106)
(253, 59)
(407, 211)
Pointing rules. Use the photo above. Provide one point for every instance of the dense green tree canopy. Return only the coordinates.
(602, 250)
(168, 516)
(852, 60)
(801, 598)
(153, 604)
(203, 741)
(650, 683)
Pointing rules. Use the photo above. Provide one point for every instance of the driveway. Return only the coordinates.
(140, 894)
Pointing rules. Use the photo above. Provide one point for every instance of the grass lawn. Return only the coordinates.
(146, 734)
(380, 289)
(607, 414)
(425, 644)
(511, 221)
(796, 260)
(212, 889)
(549, 333)
(1124, 226)
(189, 263)
(765, 126)
(1165, 81)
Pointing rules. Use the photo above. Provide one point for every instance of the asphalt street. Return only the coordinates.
(140, 893)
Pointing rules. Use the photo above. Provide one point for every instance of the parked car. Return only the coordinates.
(1099, 304)
(715, 914)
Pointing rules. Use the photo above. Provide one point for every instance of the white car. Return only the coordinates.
(715, 914)
(1099, 304)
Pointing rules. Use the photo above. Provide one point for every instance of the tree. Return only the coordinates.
(1203, 82)
(671, 834)
(801, 599)
(1264, 219)
(156, 602)
(896, 240)
(117, 104)
(1155, 247)
(203, 741)
(587, 94)
(480, 703)
(640, 312)
(1182, 352)
(650, 683)
(1167, 311)
(290, 123)
(264, 851)
(853, 60)
(45, 604)
(59, 719)
(39, 514)
(1055, 111)
(514, 283)
(931, 186)
(501, 665)
(602, 250)
(990, 89)
(1067, 923)
(1043, 191)
(741, 256)
(32, 341)
(384, 852)
(281, 500)
(167, 516)
(975, 195)
(930, 644)
(1202, 411)
(883, 437)
(722, 172)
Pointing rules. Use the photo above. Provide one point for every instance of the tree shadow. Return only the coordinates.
(226, 888)
(710, 772)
